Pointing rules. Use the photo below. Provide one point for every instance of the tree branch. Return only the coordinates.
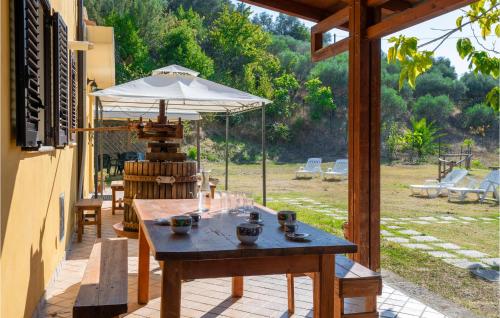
(481, 44)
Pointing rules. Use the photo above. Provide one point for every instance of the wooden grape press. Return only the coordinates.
(165, 174)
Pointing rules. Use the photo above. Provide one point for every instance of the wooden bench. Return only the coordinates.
(83, 218)
(351, 280)
(103, 291)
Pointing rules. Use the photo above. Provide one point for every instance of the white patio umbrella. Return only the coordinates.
(180, 89)
(127, 112)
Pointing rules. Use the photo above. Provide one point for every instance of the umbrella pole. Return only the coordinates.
(198, 154)
(101, 160)
(264, 190)
(96, 156)
(227, 150)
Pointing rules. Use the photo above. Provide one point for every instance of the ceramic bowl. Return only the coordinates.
(181, 224)
(248, 233)
(286, 216)
(196, 218)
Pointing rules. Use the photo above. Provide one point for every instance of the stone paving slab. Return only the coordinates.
(397, 239)
(417, 246)
(386, 233)
(425, 238)
(462, 263)
(491, 261)
(448, 246)
(394, 227)
(410, 232)
(440, 254)
(471, 253)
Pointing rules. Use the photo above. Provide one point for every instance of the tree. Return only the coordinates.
(477, 116)
(394, 107)
(285, 88)
(319, 98)
(209, 9)
(435, 84)
(477, 86)
(436, 109)
(182, 48)
(291, 26)
(131, 53)
(239, 49)
(483, 14)
(265, 20)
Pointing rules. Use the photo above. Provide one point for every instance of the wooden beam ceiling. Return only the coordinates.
(293, 8)
(410, 17)
(393, 5)
(336, 20)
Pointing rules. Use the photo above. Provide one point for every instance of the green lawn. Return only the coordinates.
(414, 265)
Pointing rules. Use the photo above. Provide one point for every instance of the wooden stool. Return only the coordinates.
(116, 186)
(88, 205)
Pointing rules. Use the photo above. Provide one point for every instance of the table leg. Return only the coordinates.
(143, 275)
(171, 285)
(113, 201)
(291, 293)
(98, 217)
(316, 294)
(80, 224)
(326, 286)
(237, 286)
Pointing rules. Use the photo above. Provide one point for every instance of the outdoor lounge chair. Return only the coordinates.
(434, 188)
(340, 170)
(489, 184)
(312, 167)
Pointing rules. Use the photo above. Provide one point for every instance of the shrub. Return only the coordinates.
(192, 153)
(420, 140)
(477, 164)
(478, 115)
(435, 109)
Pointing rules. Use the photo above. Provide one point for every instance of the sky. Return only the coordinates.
(425, 32)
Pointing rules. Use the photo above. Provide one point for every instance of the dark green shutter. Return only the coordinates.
(61, 81)
(27, 56)
(74, 96)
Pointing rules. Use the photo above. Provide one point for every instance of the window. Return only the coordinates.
(44, 111)
(27, 56)
(61, 81)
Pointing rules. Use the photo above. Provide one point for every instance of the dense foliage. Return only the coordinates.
(270, 56)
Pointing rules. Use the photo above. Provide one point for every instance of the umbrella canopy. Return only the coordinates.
(182, 90)
(125, 112)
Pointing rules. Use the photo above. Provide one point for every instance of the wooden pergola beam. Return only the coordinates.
(330, 51)
(393, 5)
(334, 21)
(293, 8)
(410, 17)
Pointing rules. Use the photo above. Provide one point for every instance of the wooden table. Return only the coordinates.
(116, 186)
(212, 250)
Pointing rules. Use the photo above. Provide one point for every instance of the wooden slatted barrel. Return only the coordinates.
(156, 180)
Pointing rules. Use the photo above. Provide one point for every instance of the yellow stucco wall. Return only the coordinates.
(31, 183)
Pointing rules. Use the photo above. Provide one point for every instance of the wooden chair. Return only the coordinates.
(351, 280)
(103, 290)
(83, 218)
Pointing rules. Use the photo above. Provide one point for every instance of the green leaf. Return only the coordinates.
(497, 30)
(459, 22)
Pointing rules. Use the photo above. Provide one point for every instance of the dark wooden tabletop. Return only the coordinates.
(215, 236)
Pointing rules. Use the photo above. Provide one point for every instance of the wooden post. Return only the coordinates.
(264, 186)
(198, 147)
(364, 136)
(162, 119)
(226, 183)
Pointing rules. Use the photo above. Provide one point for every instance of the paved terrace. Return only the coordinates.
(265, 296)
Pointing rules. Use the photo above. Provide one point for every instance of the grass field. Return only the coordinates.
(455, 284)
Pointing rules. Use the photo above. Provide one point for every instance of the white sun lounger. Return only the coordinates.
(489, 184)
(433, 188)
(340, 170)
(312, 167)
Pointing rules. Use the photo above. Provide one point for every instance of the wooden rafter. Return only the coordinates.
(410, 17)
(293, 8)
(393, 5)
(331, 50)
(337, 19)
